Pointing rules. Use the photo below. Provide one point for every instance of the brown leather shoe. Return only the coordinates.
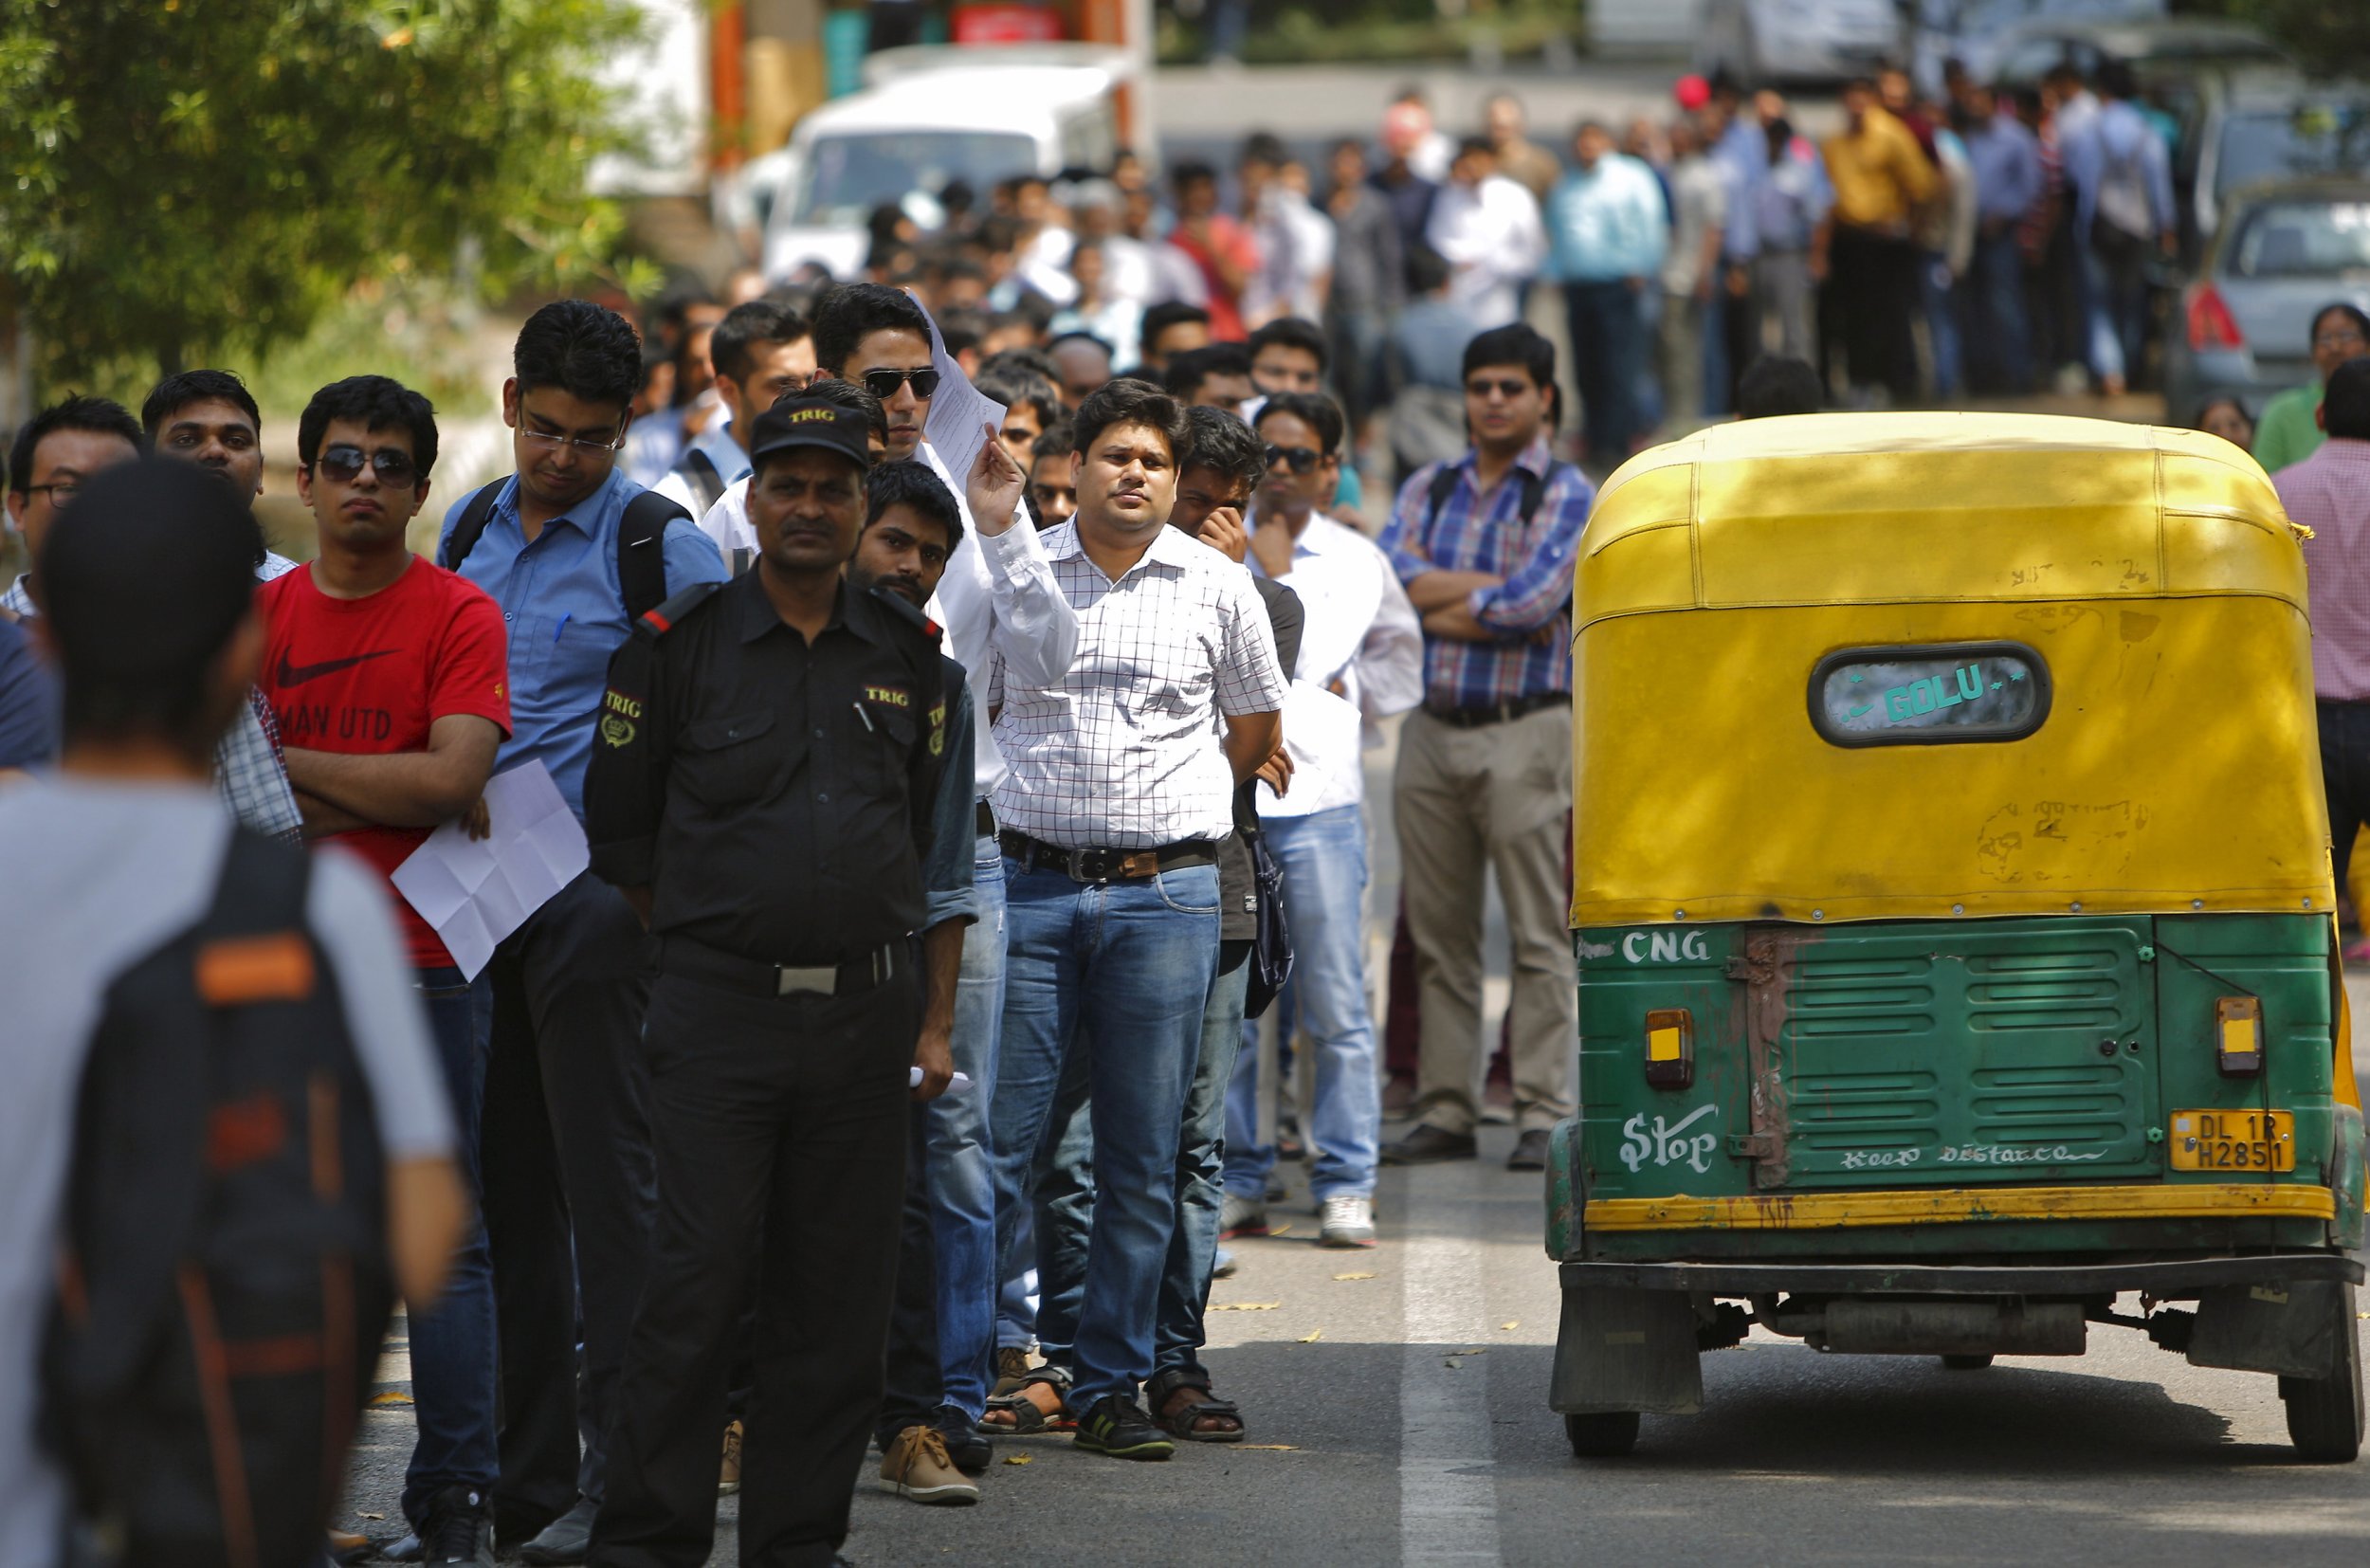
(1530, 1151)
(728, 1478)
(1426, 1144)
(345, 1546)
(1012, 1369)
(917, 1465)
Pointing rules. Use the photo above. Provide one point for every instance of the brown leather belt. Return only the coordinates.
(1499, 713)
(697, 960)
(1107, 865)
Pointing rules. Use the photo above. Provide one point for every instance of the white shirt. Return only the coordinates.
(1358, 631)
(998, 594)
(1491, 237)
(1122, 752)
(722, 449)
(100, 876)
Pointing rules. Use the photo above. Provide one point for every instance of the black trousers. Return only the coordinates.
(780, 1126)
(1868, 303)
(2346, 774)
(568, 1188)
(917, 1384)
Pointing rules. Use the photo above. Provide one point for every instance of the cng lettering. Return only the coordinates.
(1664, 947)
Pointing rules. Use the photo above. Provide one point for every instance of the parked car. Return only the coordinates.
(1035, 110)
(2169, 51)
(2285, 251)
(1760, 41)
(1976, 32)
(2277, 131)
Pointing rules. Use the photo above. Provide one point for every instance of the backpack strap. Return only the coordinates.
(642, 552)
(1444, 484)
(262, 886)
(698, 472)
(740, 560)
(471, 528)
(659, 619)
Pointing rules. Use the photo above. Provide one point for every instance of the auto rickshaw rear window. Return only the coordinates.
(1929, 695)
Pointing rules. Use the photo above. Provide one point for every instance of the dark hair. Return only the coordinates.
(1031, 360)
(1056, 440)
(1467, 146)
(1860, 84)
(1015, 386)
(1161, 318)
(136, 648)
(1191, 171)
(961, 330)
(1080, 337)
(913, 485)
(1775, 383)
(1294, 332)
(178, 392)
(1519, 344)
(375, 403)
(1263, 146)
(1219, 440)
(847, 395)
(1187, 371)
(2345, 406)
(850, 314)
(731, 349)
(1315, 409)
(2115, 80)
(2351, 312)
(76, 412)
(1128, 401)
(2213, 403)
(587, 351)
(1426, 270)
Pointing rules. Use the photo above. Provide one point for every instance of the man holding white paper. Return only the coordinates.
(385, 674)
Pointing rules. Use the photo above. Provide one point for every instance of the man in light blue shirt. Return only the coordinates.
(566, 1121)
(1791, 202)
(1606, 233)
(759, 352)
(2006, 158)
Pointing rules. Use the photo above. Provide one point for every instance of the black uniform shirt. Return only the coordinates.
(776, 796)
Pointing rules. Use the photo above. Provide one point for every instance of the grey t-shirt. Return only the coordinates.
(93, 878)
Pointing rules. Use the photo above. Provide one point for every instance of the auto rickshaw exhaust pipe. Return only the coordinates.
(1877, 1326)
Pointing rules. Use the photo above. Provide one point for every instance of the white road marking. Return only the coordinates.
(1447, 1495)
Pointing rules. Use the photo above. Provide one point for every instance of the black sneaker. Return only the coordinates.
(455, 1529)
(1426, 1144)
(965, 1443)
(1118, 1426)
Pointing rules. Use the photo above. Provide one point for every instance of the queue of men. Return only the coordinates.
(949, 833)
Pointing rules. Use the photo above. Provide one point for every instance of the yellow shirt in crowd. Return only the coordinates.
(1880, 174)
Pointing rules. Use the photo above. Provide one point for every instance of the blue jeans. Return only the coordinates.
(1117, 973)
(1177, 1336)
(1324, 857)
(2000, 356)
(452, 1343)
(1608, 347)
(1937, 296)
(959, 1158)
(2115, 278)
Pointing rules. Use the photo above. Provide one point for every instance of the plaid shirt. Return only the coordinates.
(1531, 611)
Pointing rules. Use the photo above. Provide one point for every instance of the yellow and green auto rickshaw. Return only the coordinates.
(1954, 914)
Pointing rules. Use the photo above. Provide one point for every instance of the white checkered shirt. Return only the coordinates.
(1122, 753)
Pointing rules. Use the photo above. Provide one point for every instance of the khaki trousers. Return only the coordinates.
(1498, 797)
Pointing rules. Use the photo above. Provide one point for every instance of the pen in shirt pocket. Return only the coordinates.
(866, 717)
(563, 624)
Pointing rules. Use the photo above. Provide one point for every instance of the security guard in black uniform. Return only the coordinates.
(762, 786)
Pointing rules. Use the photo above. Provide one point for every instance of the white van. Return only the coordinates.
(935, 116)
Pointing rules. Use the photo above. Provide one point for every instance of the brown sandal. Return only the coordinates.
(1185, 1421)
(1028, 1419)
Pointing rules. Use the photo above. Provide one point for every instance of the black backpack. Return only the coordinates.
(641, 553)
(1444, 484)
(223, 1278)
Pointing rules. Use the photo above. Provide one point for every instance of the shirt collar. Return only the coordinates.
(587, 515)
(1536, 458)
(1169, 547)
(754, 614)
(721, 447)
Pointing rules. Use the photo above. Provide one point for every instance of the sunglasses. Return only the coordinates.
(1508, 388)
(884, 384)
(1303, 459)
(342, 465)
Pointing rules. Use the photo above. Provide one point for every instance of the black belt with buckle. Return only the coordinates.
(983, 820)
(1107, 865)
(697, 960)
(1499, 713)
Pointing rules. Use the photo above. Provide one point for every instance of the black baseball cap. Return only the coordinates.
(811, 422)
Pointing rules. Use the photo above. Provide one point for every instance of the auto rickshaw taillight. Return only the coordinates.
(1669, 1048)
(2239, 1036)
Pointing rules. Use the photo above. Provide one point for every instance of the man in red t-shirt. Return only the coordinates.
(388, 676)
(1219, 249)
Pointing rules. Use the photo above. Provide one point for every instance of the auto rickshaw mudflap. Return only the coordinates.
(1626, 1350)
(2288, 1327)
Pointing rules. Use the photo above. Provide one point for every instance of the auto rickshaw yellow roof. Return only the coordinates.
(2151, 572)
(1812, 509)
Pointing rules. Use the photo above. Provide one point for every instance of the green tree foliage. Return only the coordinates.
(200, 177)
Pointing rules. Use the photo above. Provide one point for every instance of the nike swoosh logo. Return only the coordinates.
(296, 675)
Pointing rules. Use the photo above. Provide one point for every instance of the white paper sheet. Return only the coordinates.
(961, 1083)
(959, 414)
(475, 892)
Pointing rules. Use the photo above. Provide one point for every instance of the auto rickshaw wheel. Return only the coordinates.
(1602, 1434)
(2324, 1414)
(1967, 1364)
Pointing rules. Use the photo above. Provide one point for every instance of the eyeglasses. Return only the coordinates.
(344, 465)
(561, 443)
(884, 384)
(1303, 459)
(1506, 387)
(2347, 337)
(61, 494)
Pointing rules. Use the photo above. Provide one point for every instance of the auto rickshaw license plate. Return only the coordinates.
(2233, 1140)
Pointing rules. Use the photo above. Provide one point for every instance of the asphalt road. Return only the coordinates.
(1396, 1400)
